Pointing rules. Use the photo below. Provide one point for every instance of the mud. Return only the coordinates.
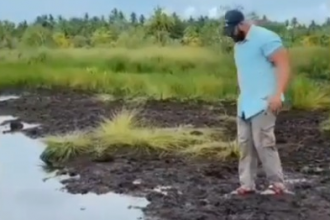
(184, 189)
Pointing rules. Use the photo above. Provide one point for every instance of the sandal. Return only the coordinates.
(243, 191)
(275, 190)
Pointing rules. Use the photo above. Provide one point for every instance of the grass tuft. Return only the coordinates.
(325, 126)
(216, 149)
(306, 94)
(64, 147)
(125, 132)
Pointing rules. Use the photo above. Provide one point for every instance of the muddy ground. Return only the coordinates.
(196, 189)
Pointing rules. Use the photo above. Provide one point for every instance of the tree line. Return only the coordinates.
(137, 30)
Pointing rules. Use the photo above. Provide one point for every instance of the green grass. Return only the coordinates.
(125, 132)
(157, 73)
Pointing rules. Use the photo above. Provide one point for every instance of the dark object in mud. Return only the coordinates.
(14, 125)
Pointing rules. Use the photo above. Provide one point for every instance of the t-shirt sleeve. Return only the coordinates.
(271, 43)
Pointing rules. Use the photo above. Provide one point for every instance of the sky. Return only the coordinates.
(304, 10)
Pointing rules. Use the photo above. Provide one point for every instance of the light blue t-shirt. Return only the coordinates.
(256, 74)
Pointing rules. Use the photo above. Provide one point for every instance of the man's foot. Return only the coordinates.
(276, 189)
(243, 191)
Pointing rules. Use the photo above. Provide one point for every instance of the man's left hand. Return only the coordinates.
(275, 103)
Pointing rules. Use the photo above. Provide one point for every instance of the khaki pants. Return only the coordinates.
(257, 141)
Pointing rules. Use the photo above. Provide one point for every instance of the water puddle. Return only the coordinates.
(8, 97)
(25, 194)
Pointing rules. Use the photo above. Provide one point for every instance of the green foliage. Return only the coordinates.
(136, 31)
(37, 36)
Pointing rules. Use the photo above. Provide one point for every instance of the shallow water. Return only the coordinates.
(25, 195)
(7, 97)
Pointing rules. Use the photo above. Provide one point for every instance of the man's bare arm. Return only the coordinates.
(280, 58)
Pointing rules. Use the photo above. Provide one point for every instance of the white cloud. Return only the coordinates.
(190, 11)
(213, 12)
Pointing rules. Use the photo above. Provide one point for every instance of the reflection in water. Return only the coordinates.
(24, 195)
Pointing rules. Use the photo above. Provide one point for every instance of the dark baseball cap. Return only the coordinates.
(232, 19)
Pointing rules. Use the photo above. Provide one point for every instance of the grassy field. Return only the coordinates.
(153, 73)
(158, 73)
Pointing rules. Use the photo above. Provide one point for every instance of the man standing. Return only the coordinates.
(263, 71)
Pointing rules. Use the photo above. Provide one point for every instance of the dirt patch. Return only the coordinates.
(191, 189)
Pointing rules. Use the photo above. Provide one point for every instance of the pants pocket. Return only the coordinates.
(268, 138)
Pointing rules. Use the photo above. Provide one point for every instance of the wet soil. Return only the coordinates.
(192, 189)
